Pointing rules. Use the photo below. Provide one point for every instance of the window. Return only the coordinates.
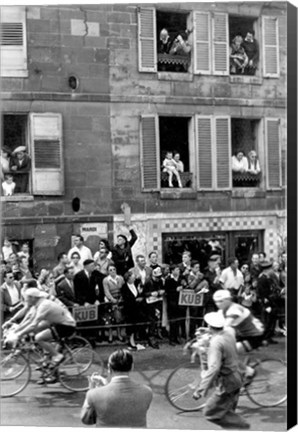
(207, 145)
(246, 165)
(36, 140)
(210, 36)
(13, 42)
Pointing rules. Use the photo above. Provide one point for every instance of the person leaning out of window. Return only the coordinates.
(253, 166)
(239, 162)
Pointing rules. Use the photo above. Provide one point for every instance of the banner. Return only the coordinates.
(190, 298)
(94, 229)
(82, 313)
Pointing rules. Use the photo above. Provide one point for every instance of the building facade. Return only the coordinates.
(97, 105)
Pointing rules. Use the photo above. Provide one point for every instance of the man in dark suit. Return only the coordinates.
(120, 403)
(20, 165)
(65, 289)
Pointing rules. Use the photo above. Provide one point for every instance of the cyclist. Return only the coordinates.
(249, 330)
(50, 320)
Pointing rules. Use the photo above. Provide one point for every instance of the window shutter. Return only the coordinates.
(202, 46)
(270, 47)
(13, 46)
(272, 133)
(150, 157)
(220, 39)
(223, 152)
(47, 157)
(204, 145)
(147, 40)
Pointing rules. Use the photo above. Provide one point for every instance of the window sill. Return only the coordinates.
(175, 76)
(252, 192)
(248, 79)
(11, 73)
(15, 198)
(177, 193)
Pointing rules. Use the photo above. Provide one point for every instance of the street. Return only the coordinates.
(55, 406)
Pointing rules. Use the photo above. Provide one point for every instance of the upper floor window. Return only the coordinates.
(13, 44)
(31, 154)
(202, 43)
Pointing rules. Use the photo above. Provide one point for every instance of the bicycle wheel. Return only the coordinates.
(15, 373)
(77, 366)
(268, 387)
(180, 386)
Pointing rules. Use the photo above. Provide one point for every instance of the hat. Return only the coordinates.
(265, 264)
(88, 261)
(215, 319)
(123, 236)
(19, 149)
(157, 272)
(214, 257)
(34, 292)
(223, 294)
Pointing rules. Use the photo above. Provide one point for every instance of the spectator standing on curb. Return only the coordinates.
(84, 251)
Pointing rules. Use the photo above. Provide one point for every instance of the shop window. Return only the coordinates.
(173, 46)
(31, 154)
(200, 245)
(246, 168)
(174, 152)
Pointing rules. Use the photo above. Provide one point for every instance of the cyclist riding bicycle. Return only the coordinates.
(249, 330)
(50, 320)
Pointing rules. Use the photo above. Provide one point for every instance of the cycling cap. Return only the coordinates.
(215, 319)
(221, 295)
(34, 292)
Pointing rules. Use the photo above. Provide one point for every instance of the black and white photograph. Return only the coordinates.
(144, 236)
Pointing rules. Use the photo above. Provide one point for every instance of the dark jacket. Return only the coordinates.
(65, 293)
(122, 257)
(84, 288)
(130, 304)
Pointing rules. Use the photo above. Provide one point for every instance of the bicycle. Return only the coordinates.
(267, 388)
(79, 362)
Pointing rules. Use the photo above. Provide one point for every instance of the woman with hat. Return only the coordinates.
(122, 254)
(222, 370)
(20, 164)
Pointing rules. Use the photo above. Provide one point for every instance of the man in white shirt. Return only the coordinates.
(84, 251)
(10, 296)
(231, 277)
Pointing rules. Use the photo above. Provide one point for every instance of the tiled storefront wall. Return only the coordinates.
(150, 229)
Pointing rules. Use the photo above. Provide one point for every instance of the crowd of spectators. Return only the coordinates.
(138, 298)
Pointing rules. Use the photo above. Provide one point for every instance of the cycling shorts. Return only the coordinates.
(62, 330)
(254, 341)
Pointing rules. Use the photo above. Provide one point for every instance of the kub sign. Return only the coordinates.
(82, 313)
(190, 298)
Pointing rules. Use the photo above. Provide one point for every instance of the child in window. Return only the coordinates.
(238, 57)
(8, 185)
(170, 166)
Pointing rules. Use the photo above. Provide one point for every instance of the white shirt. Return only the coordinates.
(84, 252)
(230, 280)
(8, 188)
(239, 165)
(14, 294)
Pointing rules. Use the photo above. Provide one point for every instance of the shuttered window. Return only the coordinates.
(202, 44)
(13, 46)
(270, 47)
(147, 40)
(204, 146)
(150, 155)
(273, 151)
(47, 157)
(223, 152)
(213, 137)
(220, 44)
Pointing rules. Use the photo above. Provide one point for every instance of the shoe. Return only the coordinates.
(249, 372)
(132, 347)
(40, 381)
(272, 341)
(50, 380)
(57, 359)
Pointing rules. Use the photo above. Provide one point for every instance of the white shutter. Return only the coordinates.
(220, 44)
(202, 44)
(270, 47)
(223, 152)
(273, 153)
(203, 128)
(147, 48)
(13, 45)
(47, 157)
(150, 156)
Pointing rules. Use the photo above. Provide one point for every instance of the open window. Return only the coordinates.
(174, 152)
(31, 154)
(246, 167)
